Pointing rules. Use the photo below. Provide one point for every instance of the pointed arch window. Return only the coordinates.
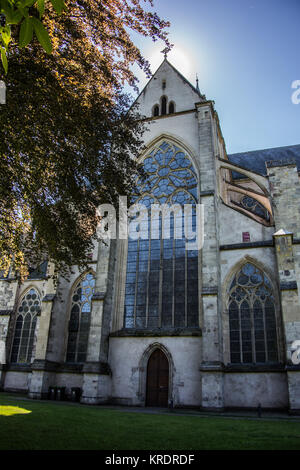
(163, 105)
(162, 275)
(171, 107)
(80, 316)
(252, 317)
(28, 310)
(156, 110)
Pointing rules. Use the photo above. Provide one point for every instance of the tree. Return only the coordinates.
(68, 142)
(17, 12)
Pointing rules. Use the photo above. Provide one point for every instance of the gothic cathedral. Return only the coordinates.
(152, 323)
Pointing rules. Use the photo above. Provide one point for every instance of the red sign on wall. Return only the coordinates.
(246, 237)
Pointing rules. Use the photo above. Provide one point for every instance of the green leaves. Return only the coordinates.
(29, 25)
(6, 36)
(42, 35)
(58, 5)
(26, 32)
(4, 59)
(40, 4)
(16, 17)
(25, 3)
(32, 24)
(16, 12)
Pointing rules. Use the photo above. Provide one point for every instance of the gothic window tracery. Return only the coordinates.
(23, 342)
(252, 317)
(162, 276)
(254, 206)
(80, 317)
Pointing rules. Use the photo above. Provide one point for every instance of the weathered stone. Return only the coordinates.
(200, 372)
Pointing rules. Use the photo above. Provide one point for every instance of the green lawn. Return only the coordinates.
(34, 425)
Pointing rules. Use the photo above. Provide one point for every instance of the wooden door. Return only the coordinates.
(157, 380)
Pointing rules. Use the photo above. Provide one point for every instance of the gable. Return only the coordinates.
(167, 82)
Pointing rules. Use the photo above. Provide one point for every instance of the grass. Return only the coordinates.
(34, 425)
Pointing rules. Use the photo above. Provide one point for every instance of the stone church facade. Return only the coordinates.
(153, 324)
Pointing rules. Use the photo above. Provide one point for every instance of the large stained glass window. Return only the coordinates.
(252, 318)
(162, 275)
(79, 324)
(29, 308)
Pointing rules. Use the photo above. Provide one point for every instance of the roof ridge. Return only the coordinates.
(265, 149)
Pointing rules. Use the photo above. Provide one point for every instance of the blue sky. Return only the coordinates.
(246, 55)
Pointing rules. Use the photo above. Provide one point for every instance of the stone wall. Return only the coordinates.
(128, 361)
(248, 390)
(285, 192)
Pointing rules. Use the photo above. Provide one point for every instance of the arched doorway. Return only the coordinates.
(157, 379)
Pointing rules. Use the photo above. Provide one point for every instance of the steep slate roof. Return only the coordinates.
(256, 160)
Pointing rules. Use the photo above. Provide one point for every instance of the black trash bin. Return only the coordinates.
(75, 393)
(52, 393)
(60, 393)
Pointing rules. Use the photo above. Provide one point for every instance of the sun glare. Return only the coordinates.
(178, 56)
(12, 410)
